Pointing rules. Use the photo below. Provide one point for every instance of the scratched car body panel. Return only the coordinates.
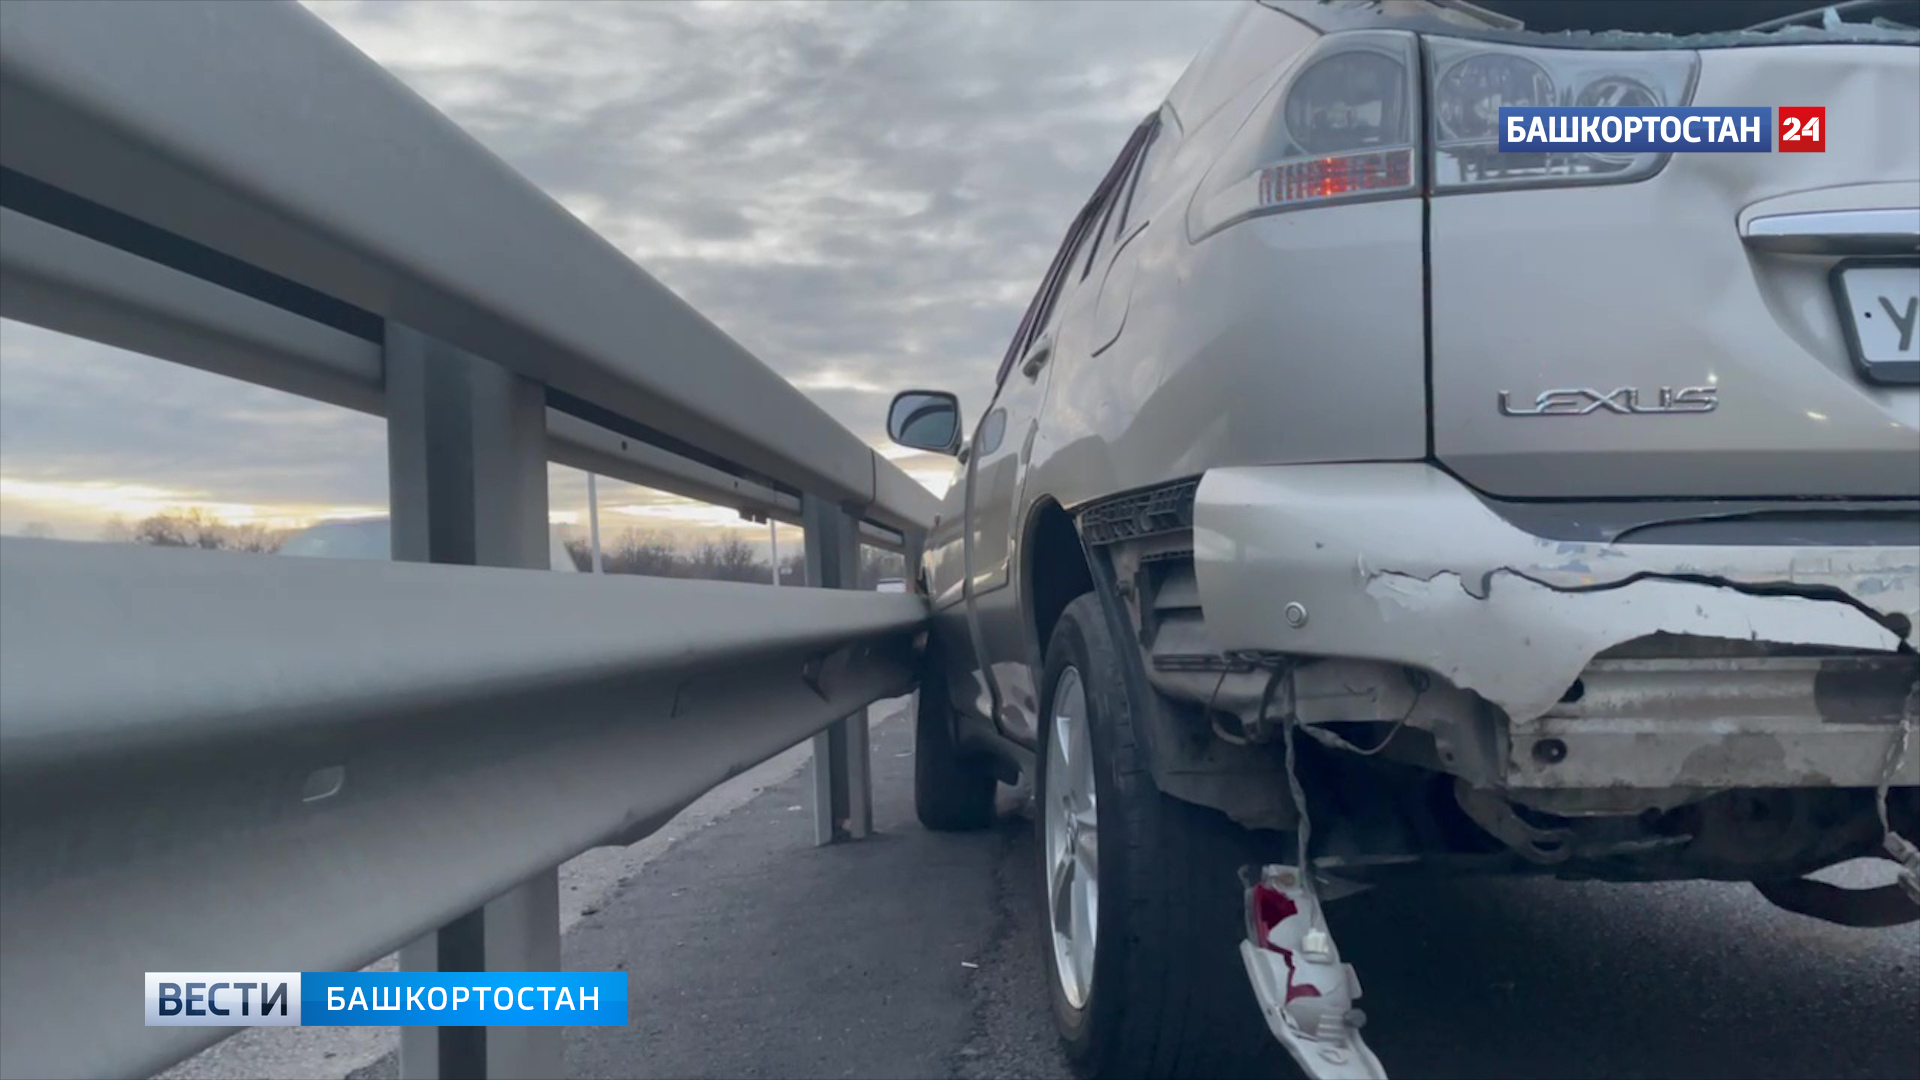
(1526, 617)
(1524, 614)
(1452, 513)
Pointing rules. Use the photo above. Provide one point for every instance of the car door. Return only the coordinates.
(967, 548)
(1057, 324)
(989, 488)
(944, 570)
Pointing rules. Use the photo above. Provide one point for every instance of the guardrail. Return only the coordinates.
(215, 761)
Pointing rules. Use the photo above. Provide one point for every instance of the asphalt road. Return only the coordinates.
(753, 954)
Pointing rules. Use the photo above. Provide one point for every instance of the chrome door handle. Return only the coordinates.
(1037, 357)
(1837, 232)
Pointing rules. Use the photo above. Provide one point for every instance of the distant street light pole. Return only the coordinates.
(773, 547)
(593, 520)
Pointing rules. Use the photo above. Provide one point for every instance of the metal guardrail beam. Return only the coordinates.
(592, 448)
(503, 720)
(254, 132)
(209, 761)
(63, 281)
(888, 539)
(66, 282)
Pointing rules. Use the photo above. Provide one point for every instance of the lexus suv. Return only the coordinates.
(1356, 502)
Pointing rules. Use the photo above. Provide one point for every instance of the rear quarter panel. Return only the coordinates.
(1294, 337)
(1291, 338)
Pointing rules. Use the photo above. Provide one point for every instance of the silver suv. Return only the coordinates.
(1355, 497)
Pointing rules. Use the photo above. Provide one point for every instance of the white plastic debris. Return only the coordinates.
(1306, 993)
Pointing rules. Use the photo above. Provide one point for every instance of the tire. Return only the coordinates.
(1167, 995)
(952, 790)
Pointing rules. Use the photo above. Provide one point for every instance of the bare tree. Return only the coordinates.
(253, 538)
(172, 530)
(652, 553)
(875, 566)
(115, 530)
(731, 558)
(195, 528)
(738, 561)
(38, 530)
(634, 552)
(581, 553)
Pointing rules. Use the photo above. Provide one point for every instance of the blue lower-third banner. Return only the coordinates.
(391, 999)
(1716, 129)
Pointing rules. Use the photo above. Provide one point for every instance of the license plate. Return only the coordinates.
(1880, 306)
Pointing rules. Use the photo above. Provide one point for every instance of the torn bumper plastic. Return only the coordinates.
(1306, 992)
(1402, 565)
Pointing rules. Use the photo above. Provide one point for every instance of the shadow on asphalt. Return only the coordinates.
(753, 954)
(1539, 978)
(1583, 979)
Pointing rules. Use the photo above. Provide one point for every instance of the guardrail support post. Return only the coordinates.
(467, 480)
(842, 786)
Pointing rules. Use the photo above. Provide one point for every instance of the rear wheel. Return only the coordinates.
(952, 789)
(1143, 904)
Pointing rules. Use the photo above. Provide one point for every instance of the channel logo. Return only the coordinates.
(1803, 129)
(393, 999)
(1697, 129)
(223, 999)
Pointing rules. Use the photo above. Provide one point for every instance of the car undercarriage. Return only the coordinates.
(1466, 702)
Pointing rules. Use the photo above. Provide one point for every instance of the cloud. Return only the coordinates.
(89, 432)
(865, 194)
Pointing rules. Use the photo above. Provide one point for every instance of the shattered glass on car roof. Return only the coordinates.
(1638, 24)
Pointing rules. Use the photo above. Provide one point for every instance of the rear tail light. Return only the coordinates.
(1322, 179)
(1267, 907)
(1344, 123)
(1470, 80)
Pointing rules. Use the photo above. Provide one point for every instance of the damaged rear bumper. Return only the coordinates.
(1402, 565)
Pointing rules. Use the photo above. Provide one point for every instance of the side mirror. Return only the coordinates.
(925, 420)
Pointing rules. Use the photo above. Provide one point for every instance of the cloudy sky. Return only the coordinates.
(863, 193)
